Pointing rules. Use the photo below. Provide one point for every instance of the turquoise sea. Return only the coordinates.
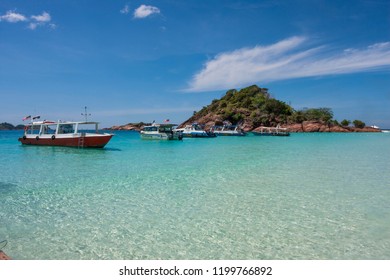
(307, 196)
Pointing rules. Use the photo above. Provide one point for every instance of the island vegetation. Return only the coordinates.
(8, 126)
(253, 107)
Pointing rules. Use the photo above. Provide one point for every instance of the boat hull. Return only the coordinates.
(199, 135)
(95, 141)
(230, 133)
(161, 136)
(271, 133)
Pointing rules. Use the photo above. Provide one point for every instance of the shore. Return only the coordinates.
(313, 126)
(306, 126)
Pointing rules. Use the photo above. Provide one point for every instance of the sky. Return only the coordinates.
(132, 61)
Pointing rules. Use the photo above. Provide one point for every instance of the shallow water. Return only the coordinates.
(307, 196)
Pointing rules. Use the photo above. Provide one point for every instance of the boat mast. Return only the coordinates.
(85, 114)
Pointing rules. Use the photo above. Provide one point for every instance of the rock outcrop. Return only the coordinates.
(253, 107)
(315, 126)
(129, 126)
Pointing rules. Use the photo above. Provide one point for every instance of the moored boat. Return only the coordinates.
(195, 131)
(271, 131)
(160, 132)
(228, 130)
(63, 133)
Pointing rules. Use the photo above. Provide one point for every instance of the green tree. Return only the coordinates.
(345, 122)
(318, 114)
(359, 124)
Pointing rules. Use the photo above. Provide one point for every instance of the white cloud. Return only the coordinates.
(34, 21)
(125, 10)
(13, 17)
(32, 25)
(286, 59)
(144, 11)
(41, 20)
(45, 17)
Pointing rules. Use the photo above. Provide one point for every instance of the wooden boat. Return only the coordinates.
(68, 134)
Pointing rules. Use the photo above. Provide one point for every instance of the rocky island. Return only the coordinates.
(8, 126)
(253, 107)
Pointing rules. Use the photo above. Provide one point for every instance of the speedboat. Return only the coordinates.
(63, 133)
(228, 130)
(160, 132)
(195, 131)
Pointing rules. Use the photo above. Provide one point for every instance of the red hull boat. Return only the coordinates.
(67, 134)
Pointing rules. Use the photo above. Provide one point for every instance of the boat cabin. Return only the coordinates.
(55, 128)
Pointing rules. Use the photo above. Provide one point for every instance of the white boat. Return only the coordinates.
(160, 132)
(228, 130)
(272, 131)
(195, 131)
(63, 133)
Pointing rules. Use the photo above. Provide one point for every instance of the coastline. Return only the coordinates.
(315, 126)
(306, 126)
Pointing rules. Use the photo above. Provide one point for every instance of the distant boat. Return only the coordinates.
(272, 131)
(195, 131)
(68, 134)
(228, 130)
(160, 132)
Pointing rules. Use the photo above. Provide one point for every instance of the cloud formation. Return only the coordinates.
(45, 17)
(34, 21)
(125, 10)
(41, 20)
(144, 11)
(13, 17)
(287, 59)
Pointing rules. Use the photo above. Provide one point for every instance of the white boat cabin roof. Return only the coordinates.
(46, 122)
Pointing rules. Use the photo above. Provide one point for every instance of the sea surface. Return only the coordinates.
(307, 196)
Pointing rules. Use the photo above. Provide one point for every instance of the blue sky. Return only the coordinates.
(131, 61)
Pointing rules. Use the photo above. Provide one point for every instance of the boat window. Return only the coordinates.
(198, 127)
(150, 128)
(33, 129)
(66, 128)
(46, 129)
(165, 129)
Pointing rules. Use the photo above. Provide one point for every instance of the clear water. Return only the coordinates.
(307, 196)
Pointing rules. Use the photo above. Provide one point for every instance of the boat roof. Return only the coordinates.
(60, 122)
(162, 124)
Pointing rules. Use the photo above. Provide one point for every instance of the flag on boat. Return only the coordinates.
(166, 121)
(26, 118)
(36, 117)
